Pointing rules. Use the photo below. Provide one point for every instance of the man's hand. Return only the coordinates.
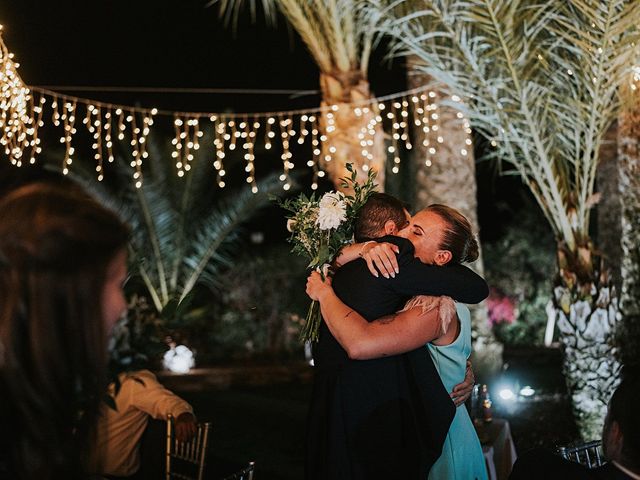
(381, 257)
(185, 426)
(462, 391)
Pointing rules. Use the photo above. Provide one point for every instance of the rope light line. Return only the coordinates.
(24, 111)
(229, 115)
(187, 90)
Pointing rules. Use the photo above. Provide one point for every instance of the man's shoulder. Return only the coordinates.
(137, 378)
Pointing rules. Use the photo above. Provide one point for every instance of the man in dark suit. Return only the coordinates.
(620, 442)
(383, 418)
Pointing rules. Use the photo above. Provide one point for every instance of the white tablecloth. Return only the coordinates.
(498, 448)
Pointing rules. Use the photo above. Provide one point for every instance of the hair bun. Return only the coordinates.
(473, 250)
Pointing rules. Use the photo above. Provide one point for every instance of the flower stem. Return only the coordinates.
(309, 332)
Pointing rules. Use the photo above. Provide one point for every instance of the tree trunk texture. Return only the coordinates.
(352, 133)
(450, 179)
(609, 209)
(586, 310)
(629, 184)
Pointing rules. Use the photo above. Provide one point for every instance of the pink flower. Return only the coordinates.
(501, 308)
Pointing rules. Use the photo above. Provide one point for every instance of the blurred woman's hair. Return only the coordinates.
(56, 244)
(458, 238)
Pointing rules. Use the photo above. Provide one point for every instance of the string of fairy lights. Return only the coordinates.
(24, 111)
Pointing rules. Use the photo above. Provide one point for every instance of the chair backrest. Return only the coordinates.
(588, 454)
(245, 474)
(186, 460)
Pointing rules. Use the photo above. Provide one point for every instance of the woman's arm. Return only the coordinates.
(362, 340)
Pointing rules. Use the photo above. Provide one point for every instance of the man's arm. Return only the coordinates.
(462, 391)
(456, 281)
(416, 278)
(149, 396)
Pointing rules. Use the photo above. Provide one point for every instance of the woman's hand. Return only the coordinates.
(318, 288)
(381, 257)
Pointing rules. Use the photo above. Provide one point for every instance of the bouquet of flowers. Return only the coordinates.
(320, 227)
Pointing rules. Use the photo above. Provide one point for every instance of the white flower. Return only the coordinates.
(291, 223)
(333, 211)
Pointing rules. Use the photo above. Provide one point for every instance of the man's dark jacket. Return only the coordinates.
(388, 417)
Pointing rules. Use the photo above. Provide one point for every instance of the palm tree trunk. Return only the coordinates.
(448, 176)
(586, 309)
(352, 134)
(609, 209)
(629, 172)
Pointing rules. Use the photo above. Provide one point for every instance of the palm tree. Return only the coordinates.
(540, 80)
(183, 234)
(629, 180)
(447, 175)
(340, 39)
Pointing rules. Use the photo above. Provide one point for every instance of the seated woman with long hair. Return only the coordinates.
(62, 266)
(440, 235)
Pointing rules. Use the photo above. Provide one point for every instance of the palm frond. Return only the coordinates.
(539, 79)
(336, 32)
(217, 232)
(230, 10)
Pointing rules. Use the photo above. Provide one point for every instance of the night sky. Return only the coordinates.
(165, 43)
(182, 43)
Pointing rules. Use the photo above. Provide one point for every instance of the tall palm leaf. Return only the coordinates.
(340, 37)
(540, 79)
(182, 233)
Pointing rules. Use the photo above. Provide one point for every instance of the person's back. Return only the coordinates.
(117, 441)
(372, 297)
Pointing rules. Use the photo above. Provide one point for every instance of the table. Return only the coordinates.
(497, 447)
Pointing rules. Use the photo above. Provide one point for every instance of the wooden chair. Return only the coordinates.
(186, 460)
(588, 454)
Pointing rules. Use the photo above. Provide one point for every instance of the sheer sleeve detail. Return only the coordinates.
(445, 305)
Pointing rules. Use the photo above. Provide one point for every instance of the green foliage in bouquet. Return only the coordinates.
(320, 227)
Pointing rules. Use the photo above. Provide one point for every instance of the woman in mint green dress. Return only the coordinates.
(440, 235)
(462, 456)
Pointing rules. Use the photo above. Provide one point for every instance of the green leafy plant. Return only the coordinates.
(261, 311)
(184, 231)
(517, 266)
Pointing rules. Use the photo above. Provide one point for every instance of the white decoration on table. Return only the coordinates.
(179, 359)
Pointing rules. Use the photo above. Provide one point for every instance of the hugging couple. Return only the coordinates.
(387, 400)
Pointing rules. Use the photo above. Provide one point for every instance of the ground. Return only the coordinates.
(266, 424)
